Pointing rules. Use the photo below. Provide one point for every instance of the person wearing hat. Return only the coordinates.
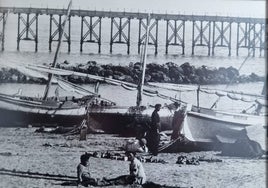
(136, 145)
(153, 132)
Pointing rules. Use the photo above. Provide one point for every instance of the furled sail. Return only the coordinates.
(51, 70)
(63, 72)
(173, 87)
(31, 73)
(128, 87)
(150, 93)
(234, 95)
(68, 86)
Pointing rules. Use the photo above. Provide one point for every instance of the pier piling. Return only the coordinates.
(25, 31)
(119, 27)
(3, 19)
(92, 32)
(175, 34)
(222, 36)
(55, 22)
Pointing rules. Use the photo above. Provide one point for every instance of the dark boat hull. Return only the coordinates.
(9, 118)
(122, 120)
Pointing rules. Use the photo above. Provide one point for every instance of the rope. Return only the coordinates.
(75, 130)
(37, 175)
(242, 64)
(161, 148)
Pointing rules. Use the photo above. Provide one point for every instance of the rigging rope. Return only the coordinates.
(242, 64)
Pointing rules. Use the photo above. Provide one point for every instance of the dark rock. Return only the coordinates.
(169, 72)
(138, 65)
(122, 70)
(129, 79)
(254, 77)
(92, 63)
(108, 73)
(66, 62)
(232, 72)
(157, 76)
(187, 68)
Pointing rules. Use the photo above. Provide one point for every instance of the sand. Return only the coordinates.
(22, 149)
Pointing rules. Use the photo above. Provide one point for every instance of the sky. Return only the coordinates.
(252, 8)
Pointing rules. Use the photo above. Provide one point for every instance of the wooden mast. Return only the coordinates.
(61, 32)
(144, 58)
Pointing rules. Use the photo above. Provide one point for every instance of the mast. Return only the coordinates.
(61, 32)
(144, 58)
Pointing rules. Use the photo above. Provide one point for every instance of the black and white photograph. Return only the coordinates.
(124, 93)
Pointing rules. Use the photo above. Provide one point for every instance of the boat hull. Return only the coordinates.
(15, 112)
(123, 120)
(215, 128)
(10, 118)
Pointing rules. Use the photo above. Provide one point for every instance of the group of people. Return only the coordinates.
(136, 170)
(136, 173)
(151, 140)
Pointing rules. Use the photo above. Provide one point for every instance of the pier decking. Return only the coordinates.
(211, 32)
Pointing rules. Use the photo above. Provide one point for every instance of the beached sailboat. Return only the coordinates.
(237, 134)
(17, 110)
(206, 125)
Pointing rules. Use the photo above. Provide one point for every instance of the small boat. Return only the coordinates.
(24, 111)
(17, 110)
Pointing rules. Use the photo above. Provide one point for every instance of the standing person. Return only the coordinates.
(153, 133)
(177, 121)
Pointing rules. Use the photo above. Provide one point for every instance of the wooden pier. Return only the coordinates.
(211, 32)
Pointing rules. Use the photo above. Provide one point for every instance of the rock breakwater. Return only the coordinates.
(164, 73)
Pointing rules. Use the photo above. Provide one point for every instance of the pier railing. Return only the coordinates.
(207, 31)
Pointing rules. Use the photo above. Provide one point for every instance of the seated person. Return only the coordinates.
(136, 145)
(83, 174)
(136, 173)
(136, 169)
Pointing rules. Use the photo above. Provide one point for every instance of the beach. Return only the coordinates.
(24, 150)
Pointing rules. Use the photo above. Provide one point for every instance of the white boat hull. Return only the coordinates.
(220, 127)
(17, 111)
